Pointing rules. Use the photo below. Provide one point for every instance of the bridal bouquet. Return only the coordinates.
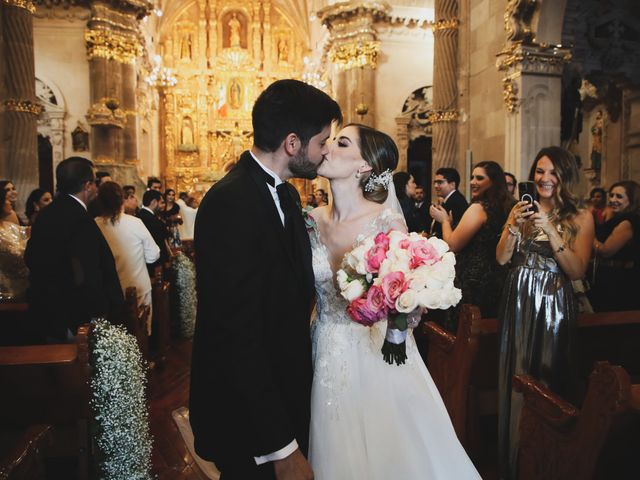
(397, 276)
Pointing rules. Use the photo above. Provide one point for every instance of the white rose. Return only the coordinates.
(450, 297)
(354, 290)
(418, 278)
(429, 299)
(440, 245)
(343, 279)
(443, 271)
(395, 236)
(449, 258)
(355, 258)
(407, 302)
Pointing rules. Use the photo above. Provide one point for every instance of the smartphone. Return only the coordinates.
(528, 192)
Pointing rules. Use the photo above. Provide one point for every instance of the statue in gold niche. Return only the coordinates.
(186, 52)
(234, 31)
(283, 51)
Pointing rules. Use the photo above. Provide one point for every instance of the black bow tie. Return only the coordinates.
(267, 177)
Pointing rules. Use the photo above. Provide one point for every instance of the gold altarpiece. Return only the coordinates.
(223, 54)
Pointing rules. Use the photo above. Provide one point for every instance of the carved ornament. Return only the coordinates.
(449, 24)
(439, 116)
(518, 15)
(343, 11)
(25, 4)
(358, 54)
(23, 106)
(541, 59)
(510, 94)
(106, 113)
(103, 43)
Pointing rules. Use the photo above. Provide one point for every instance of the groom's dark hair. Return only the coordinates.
(291, 106)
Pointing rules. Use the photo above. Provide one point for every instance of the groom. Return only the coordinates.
(251, 366)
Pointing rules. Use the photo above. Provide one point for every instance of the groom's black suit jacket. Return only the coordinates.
(251, 367)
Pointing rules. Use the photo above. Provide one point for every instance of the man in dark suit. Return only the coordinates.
(251, 368)
(422, 207)
(152, 203)
(446, 184)
(72, 273)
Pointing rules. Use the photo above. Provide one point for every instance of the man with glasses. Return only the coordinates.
(445, 185)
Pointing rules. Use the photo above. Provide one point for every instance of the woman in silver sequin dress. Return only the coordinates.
(547, 249)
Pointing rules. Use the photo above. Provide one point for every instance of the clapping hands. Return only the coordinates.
(439, 214)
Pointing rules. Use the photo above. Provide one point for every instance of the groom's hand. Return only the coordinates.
(294, 467)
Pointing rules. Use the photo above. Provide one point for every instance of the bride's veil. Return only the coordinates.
(392, 201)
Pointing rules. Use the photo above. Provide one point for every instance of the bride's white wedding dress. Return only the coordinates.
(371, 420)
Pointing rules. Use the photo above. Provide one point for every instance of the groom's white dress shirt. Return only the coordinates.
(293, 446)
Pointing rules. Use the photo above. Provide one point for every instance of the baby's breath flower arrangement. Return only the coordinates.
(118, 382)
(184, 274)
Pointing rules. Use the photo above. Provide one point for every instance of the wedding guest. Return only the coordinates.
(128, 189)
(130, 203)
(37, 200)
(475, 238)
(152, 204)
(445, 184)
(321, 197)
(72, 277)
(405, 187)
(170, 214)
(598, 205)
(510, 178)
(423, 218)
(189, 211)
(13, 240)
(310, 203)
(617, 252)
(93, 207)
(154, 183)
(11, 194)
(547, 248)
(131, 243)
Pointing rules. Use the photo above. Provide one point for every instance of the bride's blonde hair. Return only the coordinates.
(380, 151)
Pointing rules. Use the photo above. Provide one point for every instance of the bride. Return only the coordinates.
(369, 420)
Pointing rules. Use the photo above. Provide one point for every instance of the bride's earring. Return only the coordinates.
(358, 174)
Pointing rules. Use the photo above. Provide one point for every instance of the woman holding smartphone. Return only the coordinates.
(547, 249)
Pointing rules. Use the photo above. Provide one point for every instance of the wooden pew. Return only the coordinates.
(136, 320)
(14, 318)
(468, 362)
(22, 452)
(48, 385)
(559, 441)
(161, 323)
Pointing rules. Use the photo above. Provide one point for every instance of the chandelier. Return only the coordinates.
(160, 77)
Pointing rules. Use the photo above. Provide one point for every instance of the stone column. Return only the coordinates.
(354, 52)
(445, 86)
(532, 88)
(20, 122)
(130, 107)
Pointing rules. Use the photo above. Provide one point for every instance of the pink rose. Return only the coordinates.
(423, 253)
(374, 258)
(404, 244)
(382, 239)
(393, 285)
(359, 313)
(375, 302)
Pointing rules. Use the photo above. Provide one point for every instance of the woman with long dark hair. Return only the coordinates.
(171, 216)
(13, 241)
(548, 245)
(475, 238)
(131, 243)
(617, 252)
(37, 200)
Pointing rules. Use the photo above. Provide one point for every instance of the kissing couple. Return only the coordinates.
(272, 397)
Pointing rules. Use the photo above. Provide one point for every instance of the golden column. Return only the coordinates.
(20, 124)
(354, 52)
(445, 89)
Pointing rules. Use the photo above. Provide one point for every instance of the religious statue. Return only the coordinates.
(235, 93)
(234, 31)
(80, 139)
(185, 47)
(187, 139)
(237, 137)
(596, 141)
(283, 51)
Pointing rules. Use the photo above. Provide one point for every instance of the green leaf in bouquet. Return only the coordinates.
(400, 321)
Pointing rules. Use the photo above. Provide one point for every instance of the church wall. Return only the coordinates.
(482, 37)
(60, 56)
(403, 66)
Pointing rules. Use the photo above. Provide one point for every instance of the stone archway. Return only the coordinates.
(412, 125)
(51, 120)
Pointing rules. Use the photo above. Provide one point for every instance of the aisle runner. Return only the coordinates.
(181, 417)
